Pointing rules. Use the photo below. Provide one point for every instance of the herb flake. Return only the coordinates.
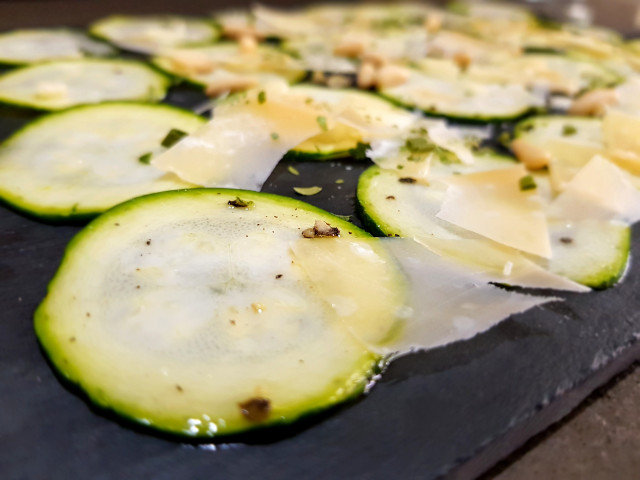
(145, 158)
(173, 137)
(322, 121)
(527, 183)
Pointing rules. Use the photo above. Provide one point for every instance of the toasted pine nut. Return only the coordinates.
(349, 48)
(391, 76)
(433, 23)
(366, 75)
(594, 102)
(338, 81)
(378, 60)
(534, 158)
(235, 84)
(248, 44)
(462, 60)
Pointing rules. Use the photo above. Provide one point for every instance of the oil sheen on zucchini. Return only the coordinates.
(594, 254)
(79, 162)
(184, 311)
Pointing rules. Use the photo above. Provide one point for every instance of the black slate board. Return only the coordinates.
(452, 411)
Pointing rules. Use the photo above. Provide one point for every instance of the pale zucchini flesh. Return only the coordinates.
(20, 47)
(80, 162)
(225, 63)
(63, 84)
(152, 33)
(186, 313)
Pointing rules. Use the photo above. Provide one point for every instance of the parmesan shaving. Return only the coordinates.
(236, 148)
(492, 204)
(599, 191)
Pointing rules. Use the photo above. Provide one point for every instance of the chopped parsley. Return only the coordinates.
(359, 152)
(239, 203)
(527, 183)
(568, 130)
(173, 137)
(262, 97)
(145, 158)
(322, 121)
(275, 136)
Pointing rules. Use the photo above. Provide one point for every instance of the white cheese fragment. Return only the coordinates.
(599, 191)
(621, 131)
(492, 204)
(443, 302)
(245, 139)
(448, 303)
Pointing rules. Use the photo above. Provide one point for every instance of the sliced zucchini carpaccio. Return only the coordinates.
(591, 253)
(82, 161)
(64, 84)
(185, 311)
(463, 99)
(149, 34)
(226, 66)
(19, 47)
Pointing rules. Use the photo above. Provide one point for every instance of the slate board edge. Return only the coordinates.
(490, 455)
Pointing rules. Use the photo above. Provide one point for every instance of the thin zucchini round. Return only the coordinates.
(463, 99)
(21, 47)
(152, 33)
(343, 141)
(77, 163)
(225, 63)
(64, 84)
(594, 254)
(184, 311)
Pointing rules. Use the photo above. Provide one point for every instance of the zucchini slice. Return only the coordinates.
(185, 311)
(463, 99)
(343, 141)
(227, 65)
(596, 256)
(82, 161)
(64, 84)
(20, 47)
(150, 34)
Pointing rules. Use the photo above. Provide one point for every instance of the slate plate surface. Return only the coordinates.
(452, 411)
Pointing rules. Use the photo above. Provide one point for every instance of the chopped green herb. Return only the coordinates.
(339, 181)
(399, 167)
(308, 100)
(307, 191)
(239, 203)
(419, 145)
(262, 96)
(527, 183)
(293, 170)
(568, 130)
(407, 180)
(504, 138)
(145, 158)
(275, 136)
(359, 152)
(173, 137)
(322, 121)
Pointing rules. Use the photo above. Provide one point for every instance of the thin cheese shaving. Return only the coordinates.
(599, 191)
(492, 204)
(236, 148)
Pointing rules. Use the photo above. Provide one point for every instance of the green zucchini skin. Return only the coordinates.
(165, 83)
(55, 215)
(466, 119)
(371, 363)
